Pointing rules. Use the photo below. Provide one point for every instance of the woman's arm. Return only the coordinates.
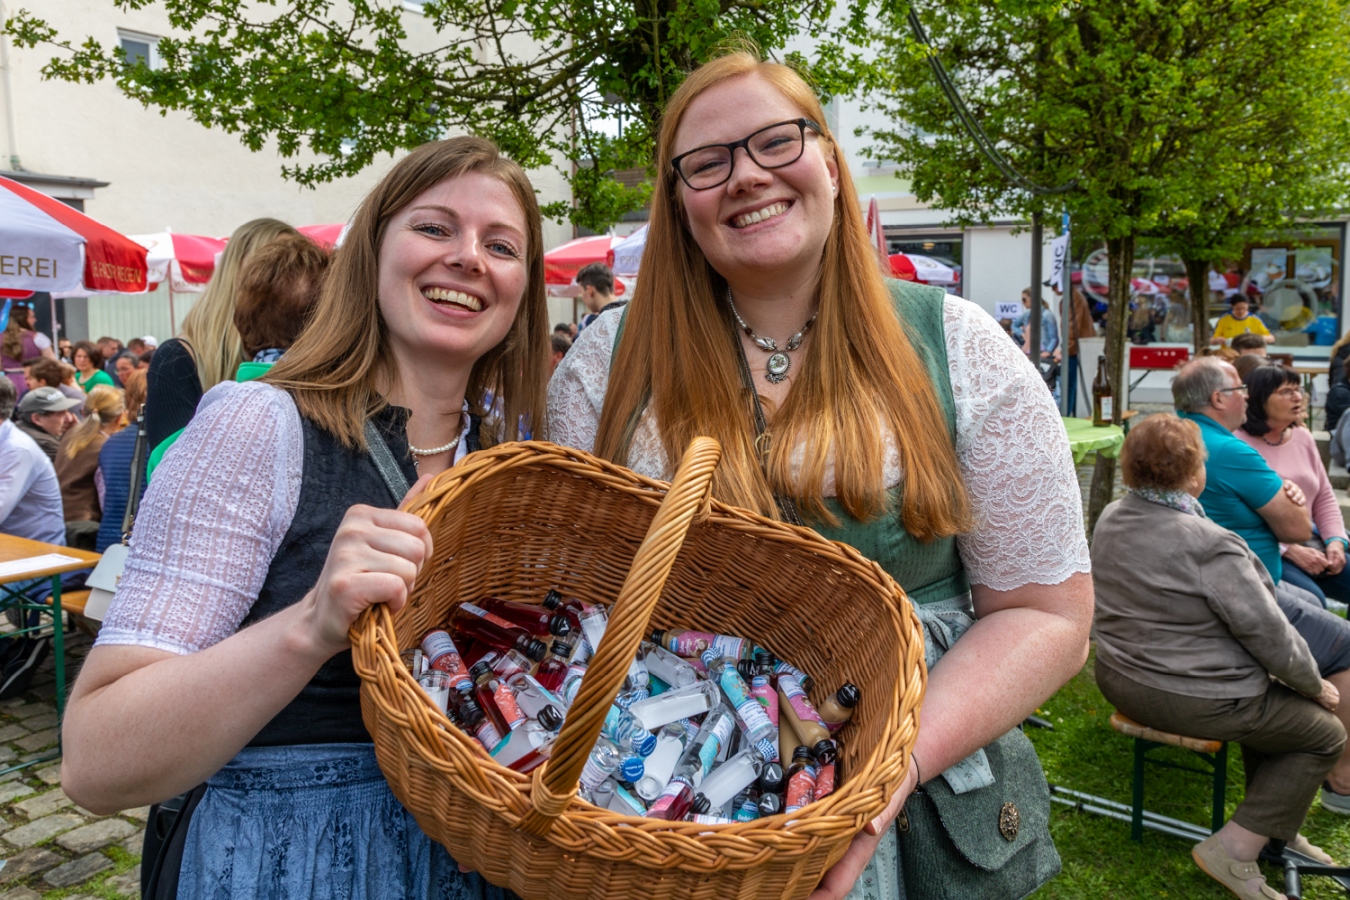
(172, 391)
(1026, 643)
(145, 724)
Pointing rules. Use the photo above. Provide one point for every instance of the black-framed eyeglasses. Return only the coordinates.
(1242, 388)
(771, 147)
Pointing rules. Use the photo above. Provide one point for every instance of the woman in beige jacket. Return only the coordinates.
(1189, 638)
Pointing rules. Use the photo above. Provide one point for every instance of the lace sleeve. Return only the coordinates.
(212, 519)
(1015, 457)
(576, 393)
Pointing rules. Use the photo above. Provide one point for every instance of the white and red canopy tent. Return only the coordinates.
(186, 261)
(46, 245)
(562, 263)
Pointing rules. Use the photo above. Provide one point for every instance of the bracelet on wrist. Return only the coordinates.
(1345, 545)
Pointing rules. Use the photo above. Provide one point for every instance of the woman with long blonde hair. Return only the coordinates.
(208, 350)
(883, 414)
(273, 524)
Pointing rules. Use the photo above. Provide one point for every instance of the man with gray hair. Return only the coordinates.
(1243, 494)
(30, 495)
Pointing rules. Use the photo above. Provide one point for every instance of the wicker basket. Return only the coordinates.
(522, 518)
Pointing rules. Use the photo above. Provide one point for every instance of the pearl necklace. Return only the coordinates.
(776, 367)
(433, 451)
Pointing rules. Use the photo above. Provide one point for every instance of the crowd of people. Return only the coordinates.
(307, 390)
(1231, 503)
(268, 525)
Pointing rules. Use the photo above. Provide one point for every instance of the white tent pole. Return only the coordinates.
(173, 324)
(56, 327)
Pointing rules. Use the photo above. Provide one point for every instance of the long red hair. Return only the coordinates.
(860, 375)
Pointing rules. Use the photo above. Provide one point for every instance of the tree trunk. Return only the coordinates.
(1120, 261)
(1197, 273)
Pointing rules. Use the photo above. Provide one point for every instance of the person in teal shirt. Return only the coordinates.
(1243, 494)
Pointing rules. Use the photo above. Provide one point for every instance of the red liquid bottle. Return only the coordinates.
(572, 608)
(552, 672)
(534, 619)
(496, 632)
(496, 699)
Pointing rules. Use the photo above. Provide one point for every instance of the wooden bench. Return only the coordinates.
(1146, 740)
(72, 601)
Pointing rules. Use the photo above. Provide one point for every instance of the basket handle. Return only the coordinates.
(555, 783)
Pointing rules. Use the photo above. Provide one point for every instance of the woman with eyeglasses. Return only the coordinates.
(881, 413)
(1276, 409)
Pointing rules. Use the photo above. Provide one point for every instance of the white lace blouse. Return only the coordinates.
(213, 517)
(1010, 443)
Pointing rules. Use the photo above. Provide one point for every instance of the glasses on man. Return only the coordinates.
(1241, 389)
(772, 147)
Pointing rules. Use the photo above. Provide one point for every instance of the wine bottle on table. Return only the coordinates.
(1102, 398)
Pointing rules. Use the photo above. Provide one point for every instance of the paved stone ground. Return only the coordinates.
(50, 847)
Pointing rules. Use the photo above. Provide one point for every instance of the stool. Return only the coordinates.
(1146, 740)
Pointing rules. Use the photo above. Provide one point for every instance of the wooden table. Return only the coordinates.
(14, 549)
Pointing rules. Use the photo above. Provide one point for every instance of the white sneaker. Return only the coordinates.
(1337, 803)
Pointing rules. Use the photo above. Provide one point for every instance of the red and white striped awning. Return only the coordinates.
(46, 245)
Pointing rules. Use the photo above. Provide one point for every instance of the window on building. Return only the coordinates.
(139, 48)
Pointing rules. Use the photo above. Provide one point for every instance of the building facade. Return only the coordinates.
(141, 172)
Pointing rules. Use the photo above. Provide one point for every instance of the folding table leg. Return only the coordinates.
(1137, 812)
(1220, 782)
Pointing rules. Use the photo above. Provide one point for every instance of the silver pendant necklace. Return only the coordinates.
(776, 367)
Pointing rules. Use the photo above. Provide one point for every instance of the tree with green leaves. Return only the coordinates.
(1150, 110)
(353, 79)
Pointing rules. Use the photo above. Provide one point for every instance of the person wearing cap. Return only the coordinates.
(45, 414)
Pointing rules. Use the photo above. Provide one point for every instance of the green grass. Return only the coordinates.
(1100, 860)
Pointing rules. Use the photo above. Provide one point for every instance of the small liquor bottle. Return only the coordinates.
(752, 715)
(496, 632)
(538, 622)
(553, 670)
(796, 707)
(827, 755)
(682, 703)
(761, 687)
(529, 745)
(838, 709)
(627, 732)
(496, 699)
(667, 666)
(442, 655)
(801, 787)
(661, 763)
(728, 780)
(571, 607)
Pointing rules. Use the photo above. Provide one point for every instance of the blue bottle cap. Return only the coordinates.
(631, 769)
(644, 744)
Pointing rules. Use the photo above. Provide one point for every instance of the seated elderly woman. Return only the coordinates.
(1189, 642)
(1276, 407)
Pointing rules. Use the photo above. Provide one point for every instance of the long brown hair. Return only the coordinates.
(861, 374)
(343, 353)
(208, 328)
(11, 339)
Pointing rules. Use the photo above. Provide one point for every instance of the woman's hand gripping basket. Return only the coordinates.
(520, 519)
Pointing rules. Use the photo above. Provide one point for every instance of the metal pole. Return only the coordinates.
(1065, 324)
(1034, 324)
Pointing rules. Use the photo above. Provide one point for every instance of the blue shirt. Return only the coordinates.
(30, 495)
(1238, 482)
